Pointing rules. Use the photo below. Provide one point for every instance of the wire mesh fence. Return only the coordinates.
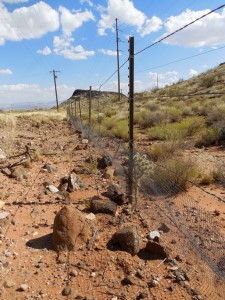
(197, 233)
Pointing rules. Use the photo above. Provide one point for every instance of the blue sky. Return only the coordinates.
(77, 38)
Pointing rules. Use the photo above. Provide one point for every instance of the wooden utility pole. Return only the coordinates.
(131, 121)
(90, 109)
(118, 57)
(56, 94)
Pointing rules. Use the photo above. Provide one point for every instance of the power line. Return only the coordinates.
(112, 75)
(179, 60)
(180, 29)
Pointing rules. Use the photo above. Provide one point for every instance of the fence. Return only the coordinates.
(199, 234)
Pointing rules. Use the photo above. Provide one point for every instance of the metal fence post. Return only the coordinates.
(131, 120)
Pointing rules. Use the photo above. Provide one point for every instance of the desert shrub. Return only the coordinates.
(174, 114)
(152, 106)
(210, 136)
(208, 81)
(111, 112)
(216, 113)
(187, 111)
(146, 118)
(186, 128)
(120, 129)
(206, 179)
(8, 124)
(163, 150)
(171, 176)
(219, 175)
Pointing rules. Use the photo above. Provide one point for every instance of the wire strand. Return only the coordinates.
(180, 29)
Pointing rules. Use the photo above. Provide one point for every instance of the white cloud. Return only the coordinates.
(72, 21)
(45, 51)
(90, 3)
(108, 52)
(5, 71)
(27, 93)
(163, 78)
(27, 22)
(208, 31)
(63, 46)
(193, 72)
(127, 14)
(14, 1)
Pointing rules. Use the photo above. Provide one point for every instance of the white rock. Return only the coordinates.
(154, 234)
(91, 217)
(23, 287)
(3, 214)
(85, 141)
(53, 189)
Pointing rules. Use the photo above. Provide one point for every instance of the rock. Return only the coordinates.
(90, 217)
(23, 287)
(2, 154)
(70, 230)
(9, 283)
(53, 189)
(115, 194)
(164, 228)
(49, 168)
(142, 295)
(154, 235)
(104, 162)
(74, 183)
(73, 273)
(3, 214)
(19, 173)
(109, 173)
(85, 141)
(156, 249)
(66, 291)
(6, 171)
(128, 238)
(103, 206)
(127, 281)
(4, 222)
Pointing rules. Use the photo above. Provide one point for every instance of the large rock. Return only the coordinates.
(115, 194)
(129, 239)
(71, 229)
(157, 250)
(103, 206)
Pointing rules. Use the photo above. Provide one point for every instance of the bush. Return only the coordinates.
(171, 177)
(164, 150)
(211, 136)
(208, 81)
(186, 128)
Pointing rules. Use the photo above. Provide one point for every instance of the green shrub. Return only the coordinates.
(186, 128)
(208, 81)
(164, 150)
(211, 136)
(170, 177)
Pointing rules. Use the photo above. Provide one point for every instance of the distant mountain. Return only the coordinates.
(27, 105)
